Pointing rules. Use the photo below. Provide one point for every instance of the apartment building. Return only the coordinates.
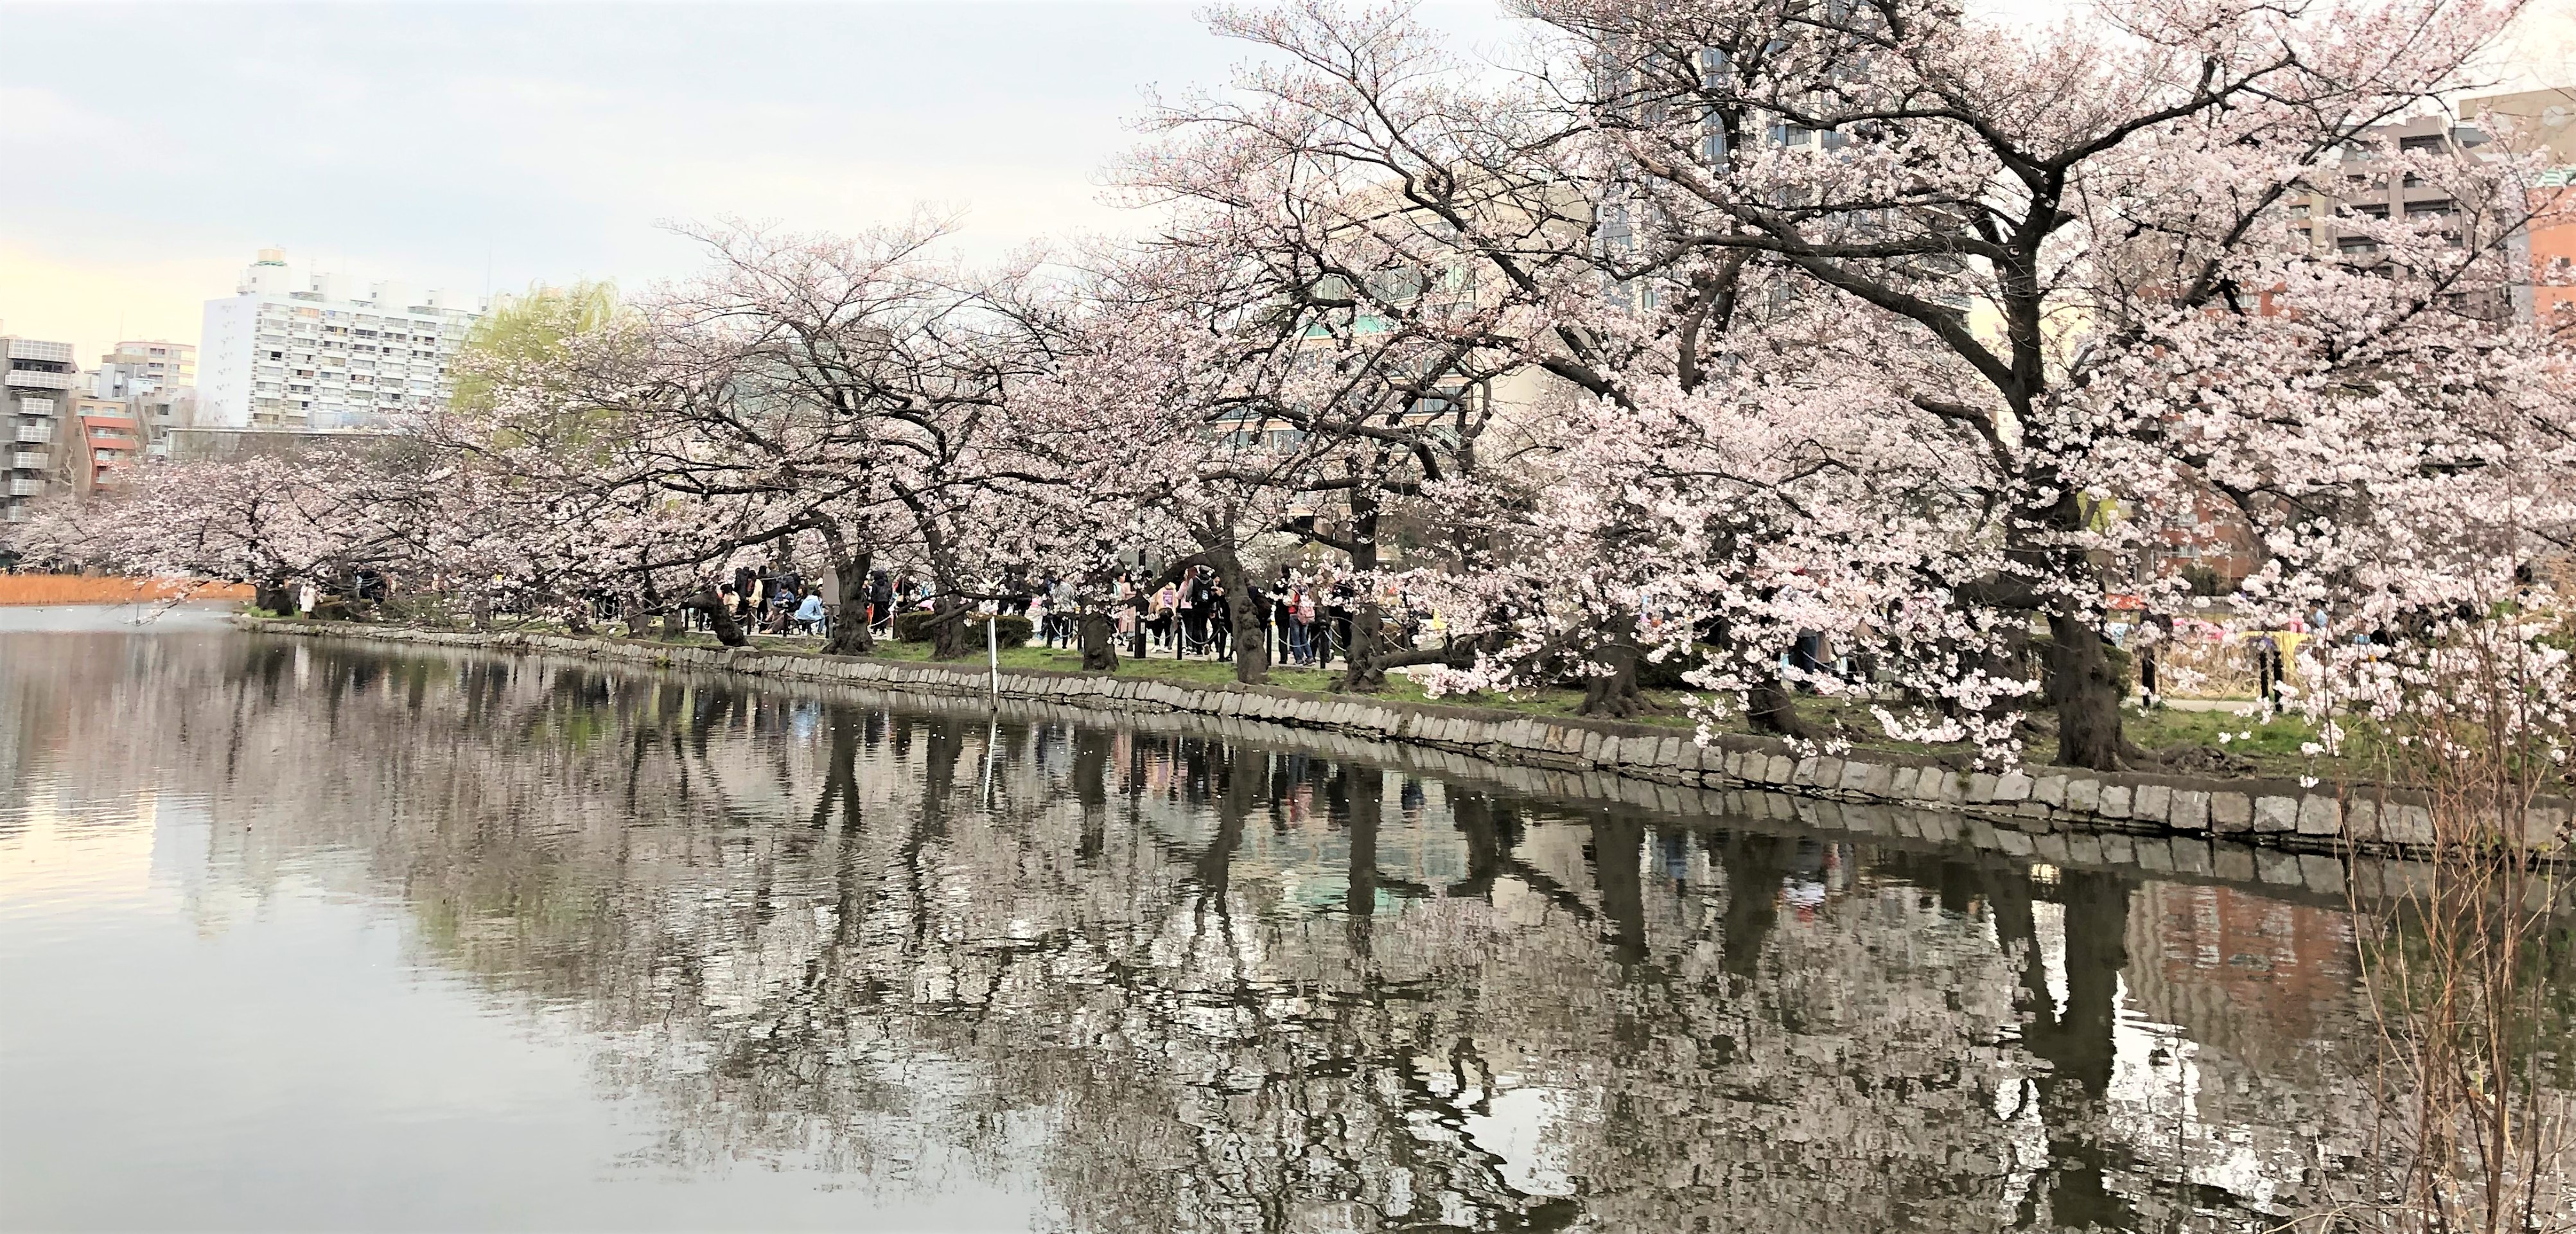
(296, 351)
(2543, 123)
(136, 368)
(104, 437)
(35, 396)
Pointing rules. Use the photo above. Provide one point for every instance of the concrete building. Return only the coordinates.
(107, 438)
(35, 395)
(143, 367)
(318, 351)
(2543, 123)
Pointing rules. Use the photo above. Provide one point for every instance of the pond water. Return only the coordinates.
(306, 935)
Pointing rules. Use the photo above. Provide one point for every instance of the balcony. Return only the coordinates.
(38, 433)
(27, 461)
(31, 349)
(35, 380)
(23, 487)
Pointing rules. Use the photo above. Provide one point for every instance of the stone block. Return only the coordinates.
(1668, 751)
(2084, 850)
(2015, 842)
(2012, 786)
(1981, 788)
(2083, 794)
(1855, 776)
(2322, 873)
(2361, 820)
(2119, 850)
(1778, 769)
(2230, 813)
(2051, 848)
(2235, 862)
(2320, 815)
(2190, 810)
(1592, 741)
(2275, 815)
(1804, 772)
(2277, 867)
(2050, 790)
(1882, 782)
(2115, 801)
(1950, 786)
(2152, 803)
(2542, 826)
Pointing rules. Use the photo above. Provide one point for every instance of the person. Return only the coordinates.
(1193, 610)
(2265, 655)
(1063, 612)
(880, 600)
(1220, 619)
(1283, 608)
(1302, 624)
(1166, 607)
(732, 600)
(810, 613)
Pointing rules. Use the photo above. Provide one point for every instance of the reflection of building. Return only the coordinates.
(318, 351)
(2250, 976)
(34, 401)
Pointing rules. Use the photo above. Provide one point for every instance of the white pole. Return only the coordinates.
(993, 651)
(992, 736)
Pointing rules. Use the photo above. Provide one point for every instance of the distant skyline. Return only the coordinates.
(483, 147)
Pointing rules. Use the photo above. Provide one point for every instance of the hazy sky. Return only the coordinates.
(152, 148)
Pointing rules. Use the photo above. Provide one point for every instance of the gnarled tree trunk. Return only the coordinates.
(711, 602)
(2086, 689)
(1614, 693)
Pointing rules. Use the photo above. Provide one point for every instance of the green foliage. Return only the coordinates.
(528, 333)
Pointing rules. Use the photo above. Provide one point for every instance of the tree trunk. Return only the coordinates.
(1366, 655)
(1251, 650)
(1099, 642)
(1773, 709)
(711, 602)
(851, 635)
(1616, 694)
(1365, 674)
(948, 630)
(275, 596)
(2087, 693)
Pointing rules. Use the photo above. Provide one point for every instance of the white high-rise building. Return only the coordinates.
(315, 351)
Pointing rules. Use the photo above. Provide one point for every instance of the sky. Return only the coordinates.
(487, 146)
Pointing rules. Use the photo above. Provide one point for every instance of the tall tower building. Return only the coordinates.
(319, 352)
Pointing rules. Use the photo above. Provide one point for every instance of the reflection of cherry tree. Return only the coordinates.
(1190, 985)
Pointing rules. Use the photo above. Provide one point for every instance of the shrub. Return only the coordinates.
(913, 626)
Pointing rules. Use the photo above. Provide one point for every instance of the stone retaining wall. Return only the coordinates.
(2182, 824)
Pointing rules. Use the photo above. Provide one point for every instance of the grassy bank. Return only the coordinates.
(2251, 746)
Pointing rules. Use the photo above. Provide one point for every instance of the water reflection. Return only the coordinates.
(1165, 983)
